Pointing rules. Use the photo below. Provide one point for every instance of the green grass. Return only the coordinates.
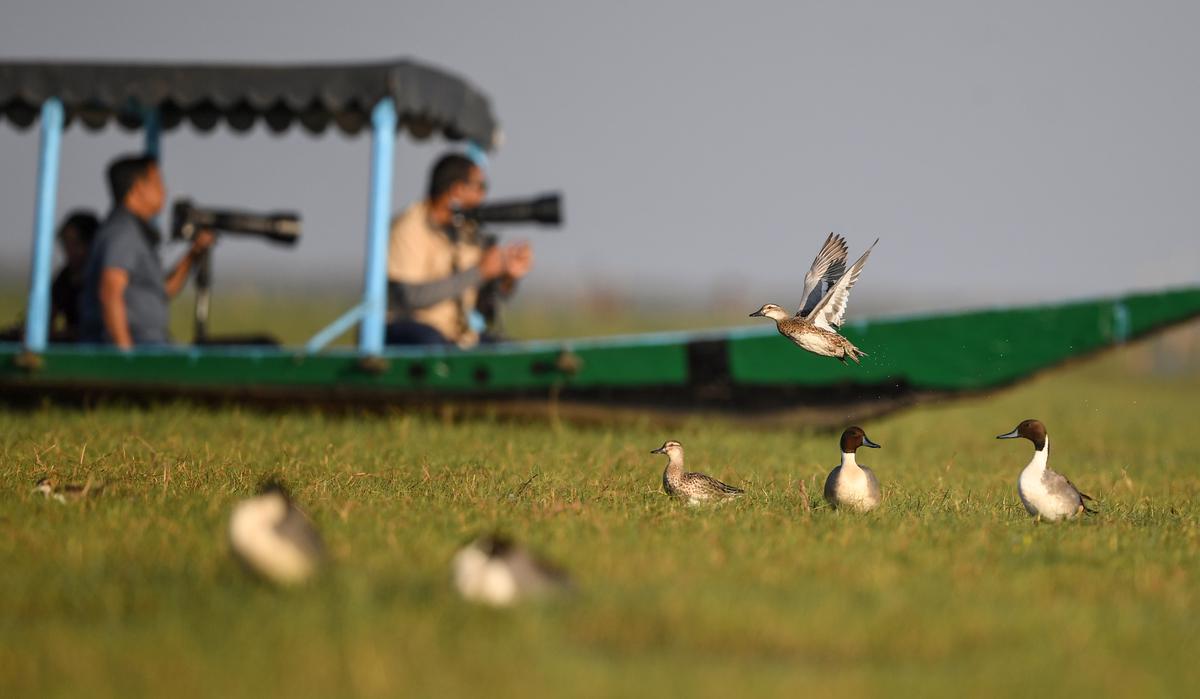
(948, 589)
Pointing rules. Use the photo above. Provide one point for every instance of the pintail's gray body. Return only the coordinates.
(853, 486)
(1046, 493)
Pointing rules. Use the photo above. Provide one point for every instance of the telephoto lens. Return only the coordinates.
(545, 209)
(280, 227)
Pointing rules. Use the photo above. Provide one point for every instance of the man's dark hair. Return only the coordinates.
(448, 171)
(125, 171)
(84, 222)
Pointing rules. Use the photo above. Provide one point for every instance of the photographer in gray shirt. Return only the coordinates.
(125, 291)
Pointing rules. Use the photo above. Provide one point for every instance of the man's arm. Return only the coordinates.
(113, 281)
(410, 297)
(177, 278)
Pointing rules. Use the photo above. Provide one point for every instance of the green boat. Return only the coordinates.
(739, 371)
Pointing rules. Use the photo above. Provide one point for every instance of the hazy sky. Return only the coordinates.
(1002, 151)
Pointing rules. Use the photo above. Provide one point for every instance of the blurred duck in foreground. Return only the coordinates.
(1046, 494)
(67, 492)
(815, 325)
(496, 571)
(850, 485)
(695, 488)
(274, 538)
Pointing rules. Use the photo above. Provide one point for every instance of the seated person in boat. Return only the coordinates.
(75, 235)
(439, 267)
(125, 290)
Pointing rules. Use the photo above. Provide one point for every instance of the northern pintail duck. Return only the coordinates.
(695, 488)
(851, 485)
(66, 492)
(272, 537)
(814, 327)
(1046, 494)
(496, 571)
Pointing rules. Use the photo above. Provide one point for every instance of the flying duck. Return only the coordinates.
(814, 327)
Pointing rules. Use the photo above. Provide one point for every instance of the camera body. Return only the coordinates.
(187, 219)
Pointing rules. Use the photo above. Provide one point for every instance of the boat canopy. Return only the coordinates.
(315, 97)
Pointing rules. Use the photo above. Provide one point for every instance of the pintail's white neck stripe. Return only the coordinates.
(1041, 456)
(848, 459)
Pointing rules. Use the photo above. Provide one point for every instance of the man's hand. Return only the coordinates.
(202, 242)
(178, 275)
(491, 265)
(518, 260)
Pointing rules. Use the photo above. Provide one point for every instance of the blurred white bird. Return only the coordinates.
(274, 538)
(499, 572)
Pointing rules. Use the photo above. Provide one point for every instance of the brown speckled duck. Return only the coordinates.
(814, 327)
(694, 488)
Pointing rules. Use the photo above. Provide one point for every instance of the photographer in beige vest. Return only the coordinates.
(436, 269)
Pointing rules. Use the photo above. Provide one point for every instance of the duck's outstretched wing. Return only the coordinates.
(828, 267)
(828, 314)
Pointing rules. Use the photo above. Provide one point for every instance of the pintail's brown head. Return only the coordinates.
(853, 438)
(1033, 430)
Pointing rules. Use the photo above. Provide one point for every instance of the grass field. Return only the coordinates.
(948, 589)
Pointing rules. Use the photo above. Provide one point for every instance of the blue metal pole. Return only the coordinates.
(383, 148)
(37, 315)
(331, 332)
(152, 124)
(152, 128)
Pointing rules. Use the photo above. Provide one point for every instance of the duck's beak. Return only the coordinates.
(757, 314)
(659, 450)
(1010, 435)
(868, 443)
